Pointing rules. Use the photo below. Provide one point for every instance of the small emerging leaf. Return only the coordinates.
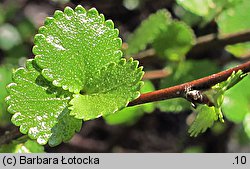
(204, 119)
(207, 115)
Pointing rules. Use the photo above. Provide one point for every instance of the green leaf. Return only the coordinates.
(232, 80)
(73, 46)
(236, 101)
(130, 115)
(239, 49)
(235, 20)
(9, 37)
(148, 31)
(186, 16)
(246, 124)
(109, 91)
(5, 78)
(185, 71)
(39, 108)
(208, 9)
(204, 119)
(207, 115)
(175, 41)
(201, 8)
(21, 146)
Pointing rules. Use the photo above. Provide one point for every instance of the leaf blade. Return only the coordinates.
(71, 39)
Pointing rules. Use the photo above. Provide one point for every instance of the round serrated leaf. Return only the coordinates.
(73, 45)
(39, 108)
(109, 91)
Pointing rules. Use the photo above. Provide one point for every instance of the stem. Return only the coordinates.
(156, 74)
(199, 84)
(10, 135)
(211, 41)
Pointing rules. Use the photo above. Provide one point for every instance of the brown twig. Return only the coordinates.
(10, 135)
(211, 41)
(179, 90)
(156, 74)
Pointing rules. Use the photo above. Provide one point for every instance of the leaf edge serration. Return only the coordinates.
(69, 12)
(31, 67)
(137, 93)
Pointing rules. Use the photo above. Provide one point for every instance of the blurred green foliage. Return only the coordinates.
(22, 145)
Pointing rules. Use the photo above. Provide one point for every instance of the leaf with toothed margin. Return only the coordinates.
(207, 115)
(73, 45)
(205, 118)
(110, 90)
(39, 108)
(148, 31)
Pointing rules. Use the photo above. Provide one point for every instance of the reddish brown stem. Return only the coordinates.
(199, 84)
(212, 41)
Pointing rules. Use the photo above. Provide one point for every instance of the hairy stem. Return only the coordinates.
(199, 84)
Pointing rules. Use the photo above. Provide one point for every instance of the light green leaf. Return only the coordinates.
(74, 45)
(246, 124)
(39, 108)
(235, 20)
(232, 80)
(131, 115)
(207, 115)
(239, 49)
(22, 146)
(148, 31)
(127, 116)
(186, 16)
(109, 91)
(208, 9)
(205, 118)
(185, 71)
(236, 101)
(198, 7)
(175, 41)
(9, 37)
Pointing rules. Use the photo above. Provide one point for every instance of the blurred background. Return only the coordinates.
(158, 130)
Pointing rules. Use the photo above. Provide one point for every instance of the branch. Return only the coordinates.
(156, 74)
(10, 135)
(211, 41)
(179, 90)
